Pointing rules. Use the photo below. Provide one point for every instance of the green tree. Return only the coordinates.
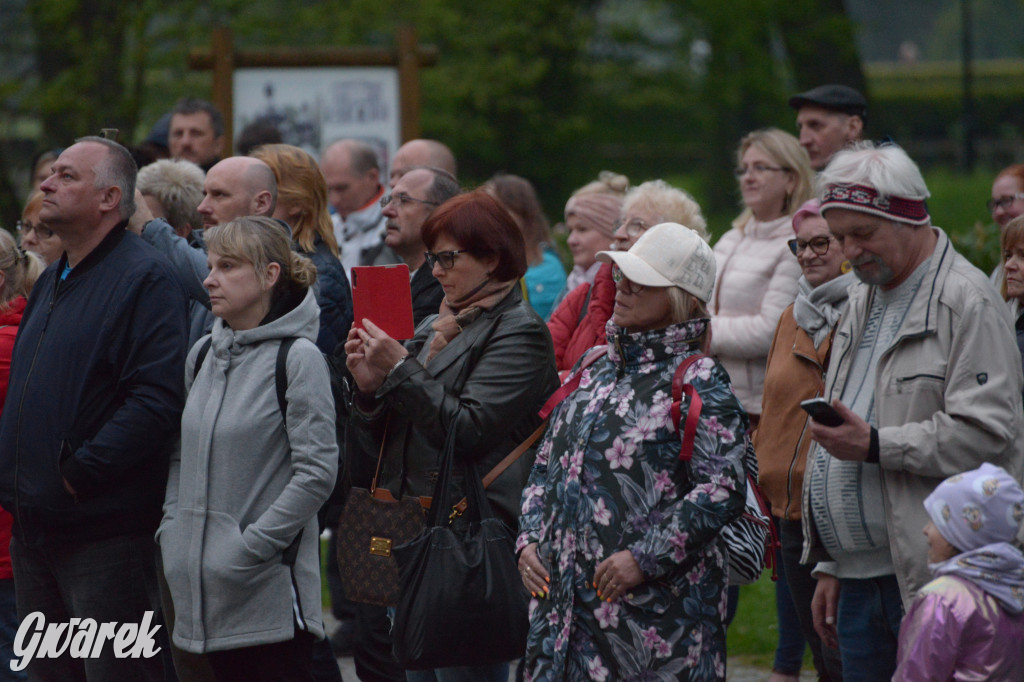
(548, 89)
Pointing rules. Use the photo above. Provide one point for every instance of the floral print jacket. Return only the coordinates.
(607, 478)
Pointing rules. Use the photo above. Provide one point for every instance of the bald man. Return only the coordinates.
(352, 171)
(235, 187)
(425, 153)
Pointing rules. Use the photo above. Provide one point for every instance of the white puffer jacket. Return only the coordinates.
(756, 280)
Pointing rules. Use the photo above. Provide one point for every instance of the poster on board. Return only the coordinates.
(313, 107)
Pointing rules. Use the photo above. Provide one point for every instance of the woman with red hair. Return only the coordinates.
(482, 366)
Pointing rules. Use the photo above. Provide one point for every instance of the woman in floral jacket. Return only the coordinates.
(619, 540)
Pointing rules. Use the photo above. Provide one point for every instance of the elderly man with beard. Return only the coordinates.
(926, 376)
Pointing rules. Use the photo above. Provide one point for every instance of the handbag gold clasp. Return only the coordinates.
(380, 546)
(456, 513)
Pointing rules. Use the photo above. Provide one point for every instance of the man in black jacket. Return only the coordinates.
(95, 402)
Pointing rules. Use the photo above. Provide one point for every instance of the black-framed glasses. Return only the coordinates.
(757, 169)
(628, 285)
(819, 245)
(1003, 202)
(27, 226)
(403, 198)
(634, 228)
(446, 259)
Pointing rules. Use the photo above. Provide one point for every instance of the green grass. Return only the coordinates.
(755, 631)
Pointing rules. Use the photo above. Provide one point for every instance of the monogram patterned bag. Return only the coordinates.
(371, 524)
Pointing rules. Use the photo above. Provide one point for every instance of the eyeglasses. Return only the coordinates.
(634, 228)
(1003, 202)
(628, 285)
(27, 226)
(757, 169)
(403, 198)
(819, 245)
(446, 259)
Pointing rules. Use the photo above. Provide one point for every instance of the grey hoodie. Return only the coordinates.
(241, 489)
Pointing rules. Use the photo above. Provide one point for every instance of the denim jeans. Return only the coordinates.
(789, 652)
(869, 615)
(113, 579)
(801, 586)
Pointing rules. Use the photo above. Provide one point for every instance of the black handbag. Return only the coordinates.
(461, 600)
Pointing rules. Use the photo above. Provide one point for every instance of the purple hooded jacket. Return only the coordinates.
(954, 630)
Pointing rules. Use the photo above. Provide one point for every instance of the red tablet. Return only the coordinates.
(381, 294)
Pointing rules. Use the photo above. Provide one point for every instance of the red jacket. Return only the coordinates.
(575, 331)
(9, 321)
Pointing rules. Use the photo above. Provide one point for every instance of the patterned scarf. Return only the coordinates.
(998, 569)
(452, 320)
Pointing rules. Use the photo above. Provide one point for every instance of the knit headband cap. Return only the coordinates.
(867, 200)
(977, 508)
(597, 211)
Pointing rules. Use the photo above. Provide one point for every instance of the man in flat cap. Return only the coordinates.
(829, 117)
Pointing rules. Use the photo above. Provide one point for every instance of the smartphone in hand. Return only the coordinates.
(822, 412)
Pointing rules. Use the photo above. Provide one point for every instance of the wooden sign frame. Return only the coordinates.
(407, 55)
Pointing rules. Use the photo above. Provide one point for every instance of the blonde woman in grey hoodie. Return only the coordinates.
(239, 534)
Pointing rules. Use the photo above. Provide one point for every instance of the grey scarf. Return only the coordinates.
(817, 309)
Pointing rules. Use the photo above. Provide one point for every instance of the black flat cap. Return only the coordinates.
(835, 97)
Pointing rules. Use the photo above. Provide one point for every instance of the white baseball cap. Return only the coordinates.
(668, 255)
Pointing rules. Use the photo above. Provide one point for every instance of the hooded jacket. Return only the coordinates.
(239, 536)
(956, 631)
(947, 399)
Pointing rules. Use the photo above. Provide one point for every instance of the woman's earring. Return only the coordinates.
(845, 267)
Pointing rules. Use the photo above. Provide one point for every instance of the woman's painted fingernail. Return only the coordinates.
(547, 580)
(534, 594)
(599, 594)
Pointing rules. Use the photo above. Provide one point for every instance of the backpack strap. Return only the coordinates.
(679, 388)
(573, 382)
(203, 350)
(281, 375)
(280, 369)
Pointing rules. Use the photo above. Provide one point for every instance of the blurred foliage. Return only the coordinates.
(551, 90)
(957, 205)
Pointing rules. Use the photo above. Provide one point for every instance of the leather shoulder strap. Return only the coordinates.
(572, 382)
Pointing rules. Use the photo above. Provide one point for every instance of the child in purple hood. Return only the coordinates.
(968, 622)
